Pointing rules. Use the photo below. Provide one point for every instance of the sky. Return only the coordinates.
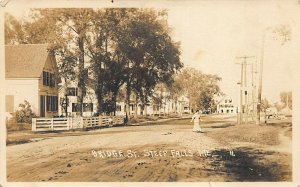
(214, 33)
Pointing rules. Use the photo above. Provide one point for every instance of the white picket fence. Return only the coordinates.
(56, 124)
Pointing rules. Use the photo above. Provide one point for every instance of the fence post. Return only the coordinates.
(33, 127)
(100, 120)
(115, 120)
(81, 122)
(69, 123)
(52, 126)
(72, 123)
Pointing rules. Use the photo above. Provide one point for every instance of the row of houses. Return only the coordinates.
(90, 103)
(31, 74)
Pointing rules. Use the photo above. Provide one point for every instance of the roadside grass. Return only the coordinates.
(151, 118)
(251, 133)
(14, 126)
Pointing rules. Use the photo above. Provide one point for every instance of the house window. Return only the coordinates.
(55, 103)
(87, 107)
(51, 103)
(72, 91)
(118, 108)
(52, 80)
(45, 75)
(49, 79)
(9, 103)
(75, 107)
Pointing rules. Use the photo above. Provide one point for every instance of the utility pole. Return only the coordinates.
(243, 89)
(260, 81)
(283, 32)
(254, 72)
(246, 91)
(241, 95)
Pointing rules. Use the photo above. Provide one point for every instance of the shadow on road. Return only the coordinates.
(253, 165)
(222, 126)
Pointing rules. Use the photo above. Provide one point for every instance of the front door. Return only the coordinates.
(42, 106)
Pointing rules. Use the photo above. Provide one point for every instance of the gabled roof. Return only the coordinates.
(25, 60)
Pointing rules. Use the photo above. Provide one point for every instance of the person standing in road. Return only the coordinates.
(196, 119)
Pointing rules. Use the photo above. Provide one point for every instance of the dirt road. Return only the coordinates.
(164, 152)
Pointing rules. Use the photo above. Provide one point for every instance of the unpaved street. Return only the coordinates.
(167, 151)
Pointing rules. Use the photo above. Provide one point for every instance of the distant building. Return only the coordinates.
(31, 74)
(157, 105)
(226, 105)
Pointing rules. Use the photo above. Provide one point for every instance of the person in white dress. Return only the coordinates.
(196, 119)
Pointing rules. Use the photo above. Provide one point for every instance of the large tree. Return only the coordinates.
(76, 23)
(200, 88)
(152, 56)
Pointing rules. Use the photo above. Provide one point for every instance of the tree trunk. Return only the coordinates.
(100, 101)
(114, 99)
(81, 82)
(136, 107)
(142, 109)
(146, 112)
(100, 91)
(128, 90)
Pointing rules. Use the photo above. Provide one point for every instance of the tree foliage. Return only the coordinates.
(287, 99)
(13, 30)
(25, 113)
(200, 88)
(264, 104)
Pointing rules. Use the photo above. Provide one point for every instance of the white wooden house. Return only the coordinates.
(165, 107)
(31, 74)
(68, 91)
(226, 105)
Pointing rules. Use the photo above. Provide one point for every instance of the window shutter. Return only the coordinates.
(48, 103)
(44, 78)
